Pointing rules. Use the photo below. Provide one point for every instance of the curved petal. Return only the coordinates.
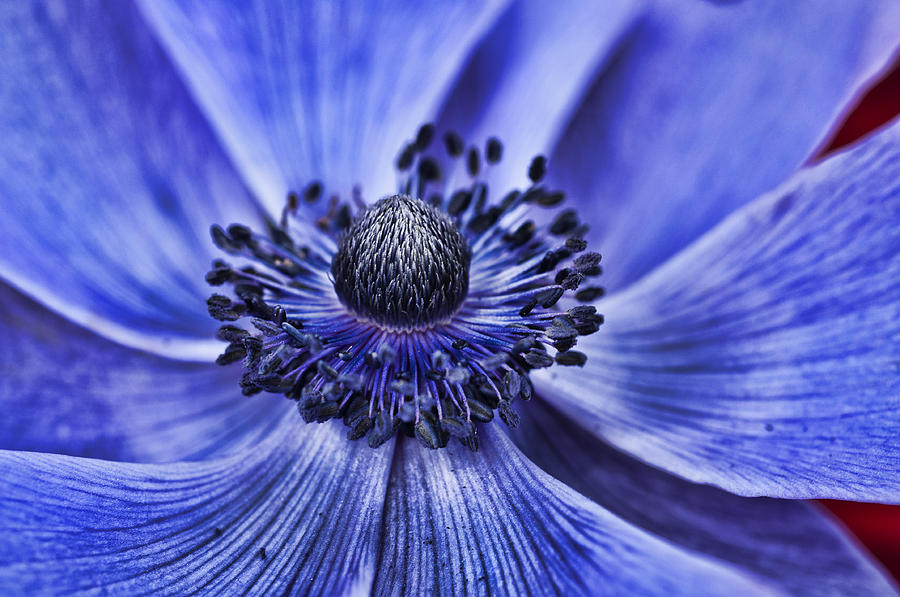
(310, 90)
(459, 523)
(300, 513)
(529, 74)
(109, 174)
(64, 389)
(789, 543)
(706, 106)
(764, 358)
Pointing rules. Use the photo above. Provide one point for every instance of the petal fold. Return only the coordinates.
(298, 514)
(790, 543)
(301, 91)
(763, 359)
(458, 523)
(66, 390)
(706, 106)
(110, 176)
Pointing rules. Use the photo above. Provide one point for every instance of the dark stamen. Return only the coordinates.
(473, 162)
(406, 158)
(454, 144)
(493, 151)
(384, 332)
(537, 169)
(313, 192)
(424, 137)
(429, 170)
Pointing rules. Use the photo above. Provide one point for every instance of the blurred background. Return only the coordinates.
(875, 525)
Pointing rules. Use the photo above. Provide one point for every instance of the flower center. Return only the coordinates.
(402, 264)
(422, 318)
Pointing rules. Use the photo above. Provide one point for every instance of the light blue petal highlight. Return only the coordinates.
(491, 522)
(66, 390)
(109, 175)
(307, 497)
(302, 91)
(763, 358)
(705, 106)
(791, 544)
(530, 73)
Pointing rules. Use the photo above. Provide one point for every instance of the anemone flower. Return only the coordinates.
(428, 297)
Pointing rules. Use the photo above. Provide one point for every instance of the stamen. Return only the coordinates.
(473, 162)
(424, 137)
(493, 151)
(455, 144)
(415, 316)
(537, 169)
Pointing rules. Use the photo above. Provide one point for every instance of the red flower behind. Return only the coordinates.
(877, 526)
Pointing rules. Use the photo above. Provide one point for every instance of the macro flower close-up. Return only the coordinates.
(464, 297)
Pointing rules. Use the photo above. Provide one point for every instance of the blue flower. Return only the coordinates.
(748, 359)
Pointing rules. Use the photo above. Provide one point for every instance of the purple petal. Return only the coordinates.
(492, 523)
(527, 77)
(789, 543)
(109, 174)
(304, 90)
(299, 513)
(764, 359)
(64, 389)
(706, 106)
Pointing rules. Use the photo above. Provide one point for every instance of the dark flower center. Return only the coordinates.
(402, 264)
(422, 318)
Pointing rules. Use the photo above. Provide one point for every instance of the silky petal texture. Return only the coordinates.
(705, 106)
(64, 389)
(787, 542)
(300, 91)
(528, 75)
(110, 176)
(308, 497)
(460, 523)
(764, 358)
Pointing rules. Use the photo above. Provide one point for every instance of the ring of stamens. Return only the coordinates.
(396, 362)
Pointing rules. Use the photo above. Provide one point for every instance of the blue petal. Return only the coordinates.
(307, 90)
(706, 106)
(787, 542)
(764, 358)
(308, 497)
(64, 389)
(109, 174)
(528, 76)
(492, 523)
